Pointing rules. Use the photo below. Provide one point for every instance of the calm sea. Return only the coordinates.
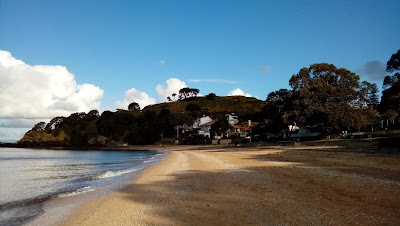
(29, 177)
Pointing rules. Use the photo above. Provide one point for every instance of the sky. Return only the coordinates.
(60, 57)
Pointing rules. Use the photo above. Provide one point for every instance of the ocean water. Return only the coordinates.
(29, 177)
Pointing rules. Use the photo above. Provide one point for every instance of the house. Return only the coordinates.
(202, 125)
(243, 130)
(297, 132)
(232, 119)
(205, 128)
(201, 121)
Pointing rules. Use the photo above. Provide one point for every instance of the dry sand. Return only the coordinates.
(270, 185)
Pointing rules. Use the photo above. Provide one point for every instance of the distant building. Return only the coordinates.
(203, 125)
(243, 131)
(297, 132)
(232, 119)
(205, 128)
(201, 121)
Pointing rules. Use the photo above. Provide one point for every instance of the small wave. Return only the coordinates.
(109, 174)
(77, 192)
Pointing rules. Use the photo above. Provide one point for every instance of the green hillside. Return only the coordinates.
(138, 127)
(216, 105)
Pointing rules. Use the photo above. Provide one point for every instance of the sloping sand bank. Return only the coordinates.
(271, 185)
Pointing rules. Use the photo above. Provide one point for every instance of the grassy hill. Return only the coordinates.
(140, 127)
(236, 104)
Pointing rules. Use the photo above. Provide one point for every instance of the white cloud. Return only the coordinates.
(162, 62)
(173, 85)
(238, 92)
(214, 81)
(133, 95)
(42, 91)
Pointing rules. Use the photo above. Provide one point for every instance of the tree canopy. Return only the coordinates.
(133, 106)
(394, 63)
(329, 98)
(390, 102)
(188, 92)
(279, 111)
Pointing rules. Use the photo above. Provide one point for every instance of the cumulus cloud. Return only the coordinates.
(238, 92)
(134, 95)
(42, 91)
(172, 85)
(375, 70)
(265, 68)
(214, 81)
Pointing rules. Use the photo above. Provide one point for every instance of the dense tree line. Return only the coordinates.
(390, 102)
(329, 100)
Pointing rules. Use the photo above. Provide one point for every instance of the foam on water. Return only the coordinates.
(77, 192)
(110, 174)
(31, 177)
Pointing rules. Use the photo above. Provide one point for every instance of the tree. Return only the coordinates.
(211, 96)
(373, 100)
(188, 92)
(38, 127)
(329, 98)
(55, 123)
(394, 63)
(220, 126)
(133, 106)
(94, 113)
(278, 112)
(390, 102)
(370, 90)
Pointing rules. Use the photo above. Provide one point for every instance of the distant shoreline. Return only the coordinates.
(67, 147)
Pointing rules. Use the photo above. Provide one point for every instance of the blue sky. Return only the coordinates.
(215, 46)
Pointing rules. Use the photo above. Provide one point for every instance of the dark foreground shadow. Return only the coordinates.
(306, 189)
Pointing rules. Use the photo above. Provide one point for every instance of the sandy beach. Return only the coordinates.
(266, 185)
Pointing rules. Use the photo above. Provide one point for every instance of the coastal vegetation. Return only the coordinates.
(321, 98)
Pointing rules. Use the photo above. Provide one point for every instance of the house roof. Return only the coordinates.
(241, 127)
(209, 123)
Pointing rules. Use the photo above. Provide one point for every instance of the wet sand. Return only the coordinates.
(268, 185)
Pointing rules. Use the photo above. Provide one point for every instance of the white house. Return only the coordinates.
(203, 125)
(201, 121)
(232, 119)
(297, 132)
(205, 128)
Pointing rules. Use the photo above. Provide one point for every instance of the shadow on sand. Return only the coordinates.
(296, 187)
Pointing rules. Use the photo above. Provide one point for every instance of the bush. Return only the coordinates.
(211, 96)
(193, 107)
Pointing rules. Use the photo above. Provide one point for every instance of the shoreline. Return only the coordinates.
(267, 185)
(58, 210)
(55, 211)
